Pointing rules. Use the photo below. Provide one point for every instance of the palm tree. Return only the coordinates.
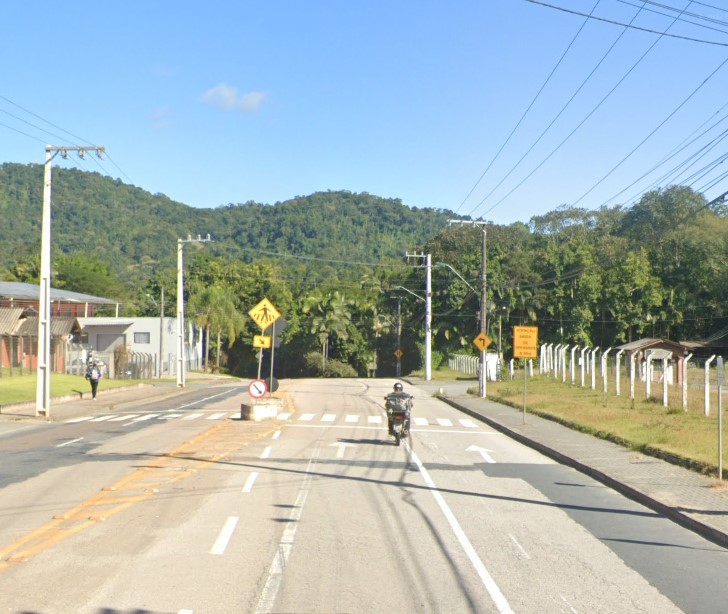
(331, 317)
(215, 309)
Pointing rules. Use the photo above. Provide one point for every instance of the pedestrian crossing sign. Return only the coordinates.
(264, 313)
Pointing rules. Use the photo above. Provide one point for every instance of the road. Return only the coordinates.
(177, 506)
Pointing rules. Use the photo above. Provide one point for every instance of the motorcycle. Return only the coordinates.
(398, 410)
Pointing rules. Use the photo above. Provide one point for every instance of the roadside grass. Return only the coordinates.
(688, 438)
(17, 388)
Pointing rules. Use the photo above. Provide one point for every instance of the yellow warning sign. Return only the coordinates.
(482, 341)
(262, 341)
(264, 313)
(525, 341)
(398, 353)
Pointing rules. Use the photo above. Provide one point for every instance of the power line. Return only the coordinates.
(525, 113)
(633, 27)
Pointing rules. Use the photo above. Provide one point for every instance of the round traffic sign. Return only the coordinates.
(257, 388)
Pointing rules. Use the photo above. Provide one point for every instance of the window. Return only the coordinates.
(140, 338)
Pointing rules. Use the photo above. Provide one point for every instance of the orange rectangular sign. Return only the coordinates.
(525, 341)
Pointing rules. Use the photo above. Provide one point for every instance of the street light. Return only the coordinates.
(428, 332)
(181, 307)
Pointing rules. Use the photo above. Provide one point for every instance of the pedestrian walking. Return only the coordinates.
(93, 375)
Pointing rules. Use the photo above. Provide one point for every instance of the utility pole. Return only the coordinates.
(399, 336)
(181, 306)
(428, 311)
(161, 334)
(482, 376)
(43, 386)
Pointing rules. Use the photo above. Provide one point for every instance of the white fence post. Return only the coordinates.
(593, 373)
(604, 367)
(632, 361)
(617, 359)
(685, 382)
(573, 363)
(664, 382)
(707, 384)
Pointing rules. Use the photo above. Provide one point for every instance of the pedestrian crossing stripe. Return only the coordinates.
(329, 418)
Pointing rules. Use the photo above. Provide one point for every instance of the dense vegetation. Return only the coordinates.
(332, 263)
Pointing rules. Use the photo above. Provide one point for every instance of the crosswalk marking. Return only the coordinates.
(329, 418)
(143, 418)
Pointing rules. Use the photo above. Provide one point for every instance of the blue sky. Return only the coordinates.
(223, 102)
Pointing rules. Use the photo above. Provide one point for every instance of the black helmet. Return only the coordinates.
(398, 387)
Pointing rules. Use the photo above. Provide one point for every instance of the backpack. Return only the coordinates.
(95, 374)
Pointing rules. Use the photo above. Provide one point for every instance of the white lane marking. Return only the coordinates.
(495, 593)
(571, 607)
(217, 416)
(307, 417)
(351, 418)
(420, 421)
(482, 451)
(225, 534)
(124, 417)
(342, 445)
(374, 419)
(280, 558)
(168, 416)
(102, 418)
(468, 423)
(192, 416)
(284, 416)
(266, 452)
(328, 417)
(276, 435)
(444, 422)
(74, 420)
(186, 612)
(68, 443)
(143, 418)
(250, 481)
(521, 548)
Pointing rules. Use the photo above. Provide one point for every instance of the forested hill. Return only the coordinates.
(126, 227)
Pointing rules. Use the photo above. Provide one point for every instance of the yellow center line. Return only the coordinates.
(197, 453)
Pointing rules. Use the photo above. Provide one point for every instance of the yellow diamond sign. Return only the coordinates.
(482, 342)
(398, 353)
(264, 313)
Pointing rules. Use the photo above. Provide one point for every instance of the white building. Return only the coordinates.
(145, 339)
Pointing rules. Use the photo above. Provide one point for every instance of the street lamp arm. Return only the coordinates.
(410, 291)
(445, 264)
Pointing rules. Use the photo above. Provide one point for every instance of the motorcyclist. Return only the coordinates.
(394, 400)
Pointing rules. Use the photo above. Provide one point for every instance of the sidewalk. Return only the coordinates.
(107, 400)
(692, 500)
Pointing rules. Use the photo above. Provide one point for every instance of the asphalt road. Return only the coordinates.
(177, 506)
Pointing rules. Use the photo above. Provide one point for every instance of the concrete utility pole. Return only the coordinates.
(399, 336)
(43, 386)
(181, 306)
(428, 312)
(483, 376)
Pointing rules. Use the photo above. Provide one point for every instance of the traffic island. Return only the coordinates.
(261, 409)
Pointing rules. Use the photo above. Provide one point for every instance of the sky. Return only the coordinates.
(496, 109)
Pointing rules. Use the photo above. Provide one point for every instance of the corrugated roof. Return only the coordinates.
(648, 342)
(31, 292)
(9, 319)
(60, 326)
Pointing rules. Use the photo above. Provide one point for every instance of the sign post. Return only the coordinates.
(265, 314)
(721, 375)
(525, 345)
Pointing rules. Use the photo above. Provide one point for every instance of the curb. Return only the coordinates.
(706, 531)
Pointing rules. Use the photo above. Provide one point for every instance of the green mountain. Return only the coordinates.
(126, 227)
